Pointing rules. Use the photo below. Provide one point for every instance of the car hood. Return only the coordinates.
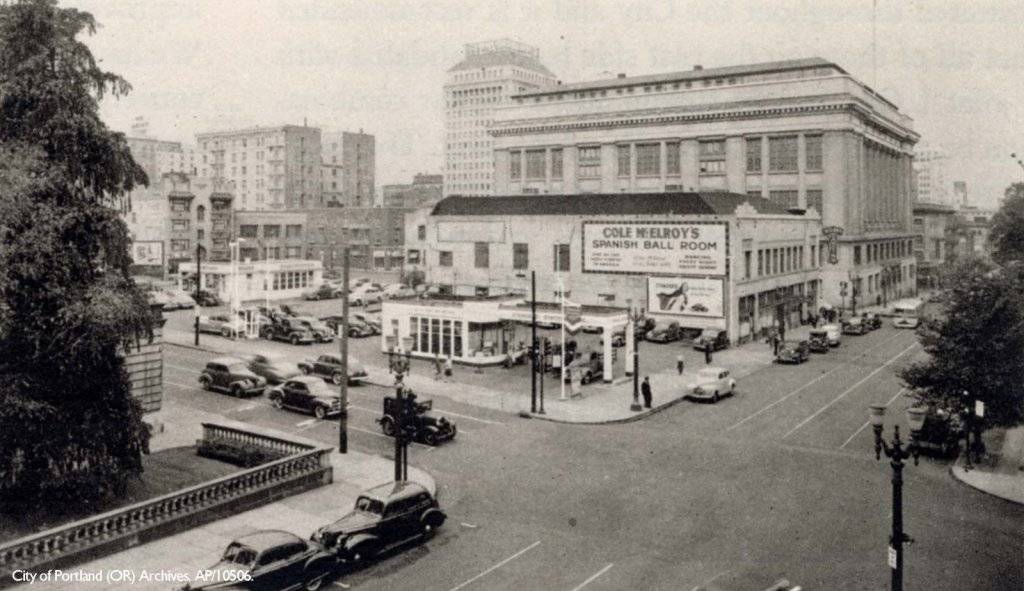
(282, 370)
(354, 367)
(223, 575)
(353, 522)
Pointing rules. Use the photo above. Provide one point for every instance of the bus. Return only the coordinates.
(907, 313)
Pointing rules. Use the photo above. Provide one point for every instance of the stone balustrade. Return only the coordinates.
(304, 467)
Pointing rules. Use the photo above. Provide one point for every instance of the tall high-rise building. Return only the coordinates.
(269, 167)
(960, 194)
(489, 73)
(931, 164)
(351, 185)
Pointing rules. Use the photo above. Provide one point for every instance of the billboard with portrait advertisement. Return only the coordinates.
(149, 253)
(655, 248)
(686, 296)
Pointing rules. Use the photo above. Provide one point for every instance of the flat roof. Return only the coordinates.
(679, 203)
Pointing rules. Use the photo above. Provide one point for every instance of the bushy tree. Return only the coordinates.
(977, 345)
(70, 430)
(1007, 232)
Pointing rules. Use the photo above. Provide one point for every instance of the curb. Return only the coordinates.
(963, 482)
(630, 419)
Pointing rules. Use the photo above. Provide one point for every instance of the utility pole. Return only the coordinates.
(399, 432)
(534, 352)
(199, 280)
(343, 345)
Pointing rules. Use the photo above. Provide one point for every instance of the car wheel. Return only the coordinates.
(295, 339)
(236, 390)
(336, 378)
(363, 551)
(204, 382)
(714, 397)
(226, 333)
(277, 402)
(320, 412)
(315, 582)
(430, 438)
(585, 379)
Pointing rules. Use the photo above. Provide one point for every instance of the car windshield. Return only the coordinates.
(368, 505)
(238, 368)
(239, 554)
(319, 388)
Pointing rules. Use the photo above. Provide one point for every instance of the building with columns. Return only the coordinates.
(801, 133)
(489, 74)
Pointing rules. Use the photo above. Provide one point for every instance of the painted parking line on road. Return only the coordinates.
(592, 577)
(497, 566)
(866, 423)
(810, 383)
(172, 366)
(850, 389)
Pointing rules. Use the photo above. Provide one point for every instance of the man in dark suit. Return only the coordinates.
(645, 389)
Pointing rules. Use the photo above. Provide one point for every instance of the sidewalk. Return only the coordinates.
(201, 547)
(600, 403)
(1003, 474)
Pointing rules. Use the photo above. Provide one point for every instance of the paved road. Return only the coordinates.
(778, 481)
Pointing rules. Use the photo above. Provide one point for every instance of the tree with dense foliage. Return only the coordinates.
(70, 431)
(977, 346)
(1007, 232)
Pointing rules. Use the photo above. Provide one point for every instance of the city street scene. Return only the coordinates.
(525, 296)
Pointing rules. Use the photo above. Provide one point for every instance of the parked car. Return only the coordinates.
(222, 324)
(872, 320)
(664, 334)
(370, 321)
(287, 329)
(642, 327)
(941, 433)
(306, 394)
(356, 328)
(716, 339)
(292, 311)
(178, 300)
(271, 367)
(711, 384)
(419, 422)
(548, 325)
(397, 291)
(205, 298)
(818, 341)
(855, 325)
(231, 375)
(320, 292)
(321, 331)
(328, 367)
(793, 352)
(384, 516)
(271, 313)
(618, 339)
(365, 295)
(591, 329)
(266, 560)
(158, 297)
(834, 333)
(590, 368)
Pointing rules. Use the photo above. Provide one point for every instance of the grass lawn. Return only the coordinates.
(165, 471)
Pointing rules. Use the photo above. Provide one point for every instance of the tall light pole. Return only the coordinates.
(897, 453)
(343, 353)
(635, 315)
(199, 276)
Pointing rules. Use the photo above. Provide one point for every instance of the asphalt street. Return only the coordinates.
(777, 481)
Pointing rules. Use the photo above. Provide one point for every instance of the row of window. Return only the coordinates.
(482, 256)
(775, 261)
(292, 280)
(436, 336)
(270, 231)
(881, 251)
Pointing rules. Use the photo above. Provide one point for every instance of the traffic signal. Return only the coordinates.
(547, 347)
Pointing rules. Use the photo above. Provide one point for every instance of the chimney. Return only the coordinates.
(621, 75)
(698, 68)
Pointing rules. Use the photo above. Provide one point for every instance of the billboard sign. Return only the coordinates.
(149, 253)
(654, 248)
(686, 296)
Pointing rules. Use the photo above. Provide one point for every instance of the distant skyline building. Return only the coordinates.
(270, 167)
(356, 154)
(931, 170)
(488, 75)
(960, 194)
(425, 189)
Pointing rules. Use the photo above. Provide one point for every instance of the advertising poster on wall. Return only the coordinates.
(150, 253)
(650, 247)
(686, 296)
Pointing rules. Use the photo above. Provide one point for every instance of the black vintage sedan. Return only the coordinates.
(268, 560)
(306, 394)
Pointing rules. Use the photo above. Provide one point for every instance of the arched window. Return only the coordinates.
(200, 213)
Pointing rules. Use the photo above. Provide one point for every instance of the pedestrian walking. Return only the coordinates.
(437, 366)
(707, 354)
(680, 364)
(775, 344)
(645, 389)
(448, 368)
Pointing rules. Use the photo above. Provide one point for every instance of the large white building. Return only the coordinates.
(801, 133)
(931, 167)
(490, 73)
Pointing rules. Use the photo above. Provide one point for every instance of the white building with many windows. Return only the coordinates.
(488, 75)
(801, 133)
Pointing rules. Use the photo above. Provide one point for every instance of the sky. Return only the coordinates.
(953, 66)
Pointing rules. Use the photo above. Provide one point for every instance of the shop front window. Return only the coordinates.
(435, 335)
(457, 339)
(413, 331)
(424, 335)
(446, 338)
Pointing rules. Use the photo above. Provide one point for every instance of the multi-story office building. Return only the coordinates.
(266, 235)
(375, 237)
(801, 133)
(930, 220)
(271, 168)
(426, 189)
(489, 73)
(158, 157)
(960, 198)
(350, 161)
(931, 165)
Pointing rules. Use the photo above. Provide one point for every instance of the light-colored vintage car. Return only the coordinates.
(712, 383)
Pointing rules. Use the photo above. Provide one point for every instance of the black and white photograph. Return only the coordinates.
(564, 295)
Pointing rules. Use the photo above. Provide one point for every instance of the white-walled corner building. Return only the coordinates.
(721, 260)
(801, 133)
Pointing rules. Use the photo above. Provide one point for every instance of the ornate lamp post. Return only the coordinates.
(635, 315)
(897, 453)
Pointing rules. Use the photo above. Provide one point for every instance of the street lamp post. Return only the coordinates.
(635, 315)
(897, 453)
